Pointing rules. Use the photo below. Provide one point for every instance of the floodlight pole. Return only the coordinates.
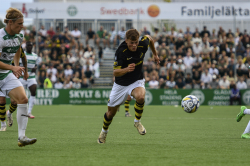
(37, 31)
(235, 59)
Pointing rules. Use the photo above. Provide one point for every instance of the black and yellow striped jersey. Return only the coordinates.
(124, 57)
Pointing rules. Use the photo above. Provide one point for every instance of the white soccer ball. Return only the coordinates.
(190, 104)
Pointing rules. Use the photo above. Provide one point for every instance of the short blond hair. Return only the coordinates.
(13, 14)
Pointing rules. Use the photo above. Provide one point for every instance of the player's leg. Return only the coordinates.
(32, 99)
(117, 97)
(139, 94)
(18, 94)
(126, 104)
(12, 108)
(246, 134)
(243, 111)
(108, 117)
(2, 112)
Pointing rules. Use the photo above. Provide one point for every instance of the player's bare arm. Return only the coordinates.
(16, 69)
(24, 62)
(121, 72)
(152, 47)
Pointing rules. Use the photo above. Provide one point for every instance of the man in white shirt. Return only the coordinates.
(53, 71)
(42, 32)
(213, 70)
(76, 33)
(68, 71)
(153, 83)
(206, 78)
(197, 49)
(224, 83)
(241, 84)
(188, 61)
(58, 85)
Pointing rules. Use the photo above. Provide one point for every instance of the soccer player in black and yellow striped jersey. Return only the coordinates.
(128, 79)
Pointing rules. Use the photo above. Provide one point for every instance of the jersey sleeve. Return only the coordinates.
(144, 42)
(118, 61)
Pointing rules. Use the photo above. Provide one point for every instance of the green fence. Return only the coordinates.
(153, 96)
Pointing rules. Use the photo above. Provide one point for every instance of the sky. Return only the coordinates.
(6, 4)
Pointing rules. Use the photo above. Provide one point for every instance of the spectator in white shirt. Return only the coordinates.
(170, 84)
(67, 83)
(206, 78)
(58, 85)
(241, 84)
(76, 33)
(68, 71)
(153, 83)
(213, 70)
(53, 71)
(224, 83)
(172, 64)
(197, 49)
(121, 34)
(188, 61)
(42, 32)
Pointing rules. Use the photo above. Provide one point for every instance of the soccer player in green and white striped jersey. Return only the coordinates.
(10, 49)
(31, 81)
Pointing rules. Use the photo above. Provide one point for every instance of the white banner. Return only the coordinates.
(201, 11)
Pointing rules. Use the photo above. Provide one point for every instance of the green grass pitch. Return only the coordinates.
(67, 135)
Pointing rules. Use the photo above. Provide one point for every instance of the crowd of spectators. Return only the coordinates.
(188, 60)
(63, 58)
(199, 60)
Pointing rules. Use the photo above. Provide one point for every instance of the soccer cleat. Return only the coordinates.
(9, 119)
(26, 141)
(31, 116)
(127, 114)
(102, 137)
(245, 136)
(3, 128)
(140, 128)
(241, 114)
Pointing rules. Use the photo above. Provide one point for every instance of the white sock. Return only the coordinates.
(137, 120)
(247, 111)
(31, 103)
(3, 123)
(247, 130)
(8, 113)
(22, 120)
(105, 131)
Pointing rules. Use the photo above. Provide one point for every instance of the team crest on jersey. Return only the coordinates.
(115, 63)
(4, 55)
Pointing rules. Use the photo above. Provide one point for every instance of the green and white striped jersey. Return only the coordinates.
(9, 44)
(31, 63)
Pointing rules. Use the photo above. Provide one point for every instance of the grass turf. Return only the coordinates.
(67, 135)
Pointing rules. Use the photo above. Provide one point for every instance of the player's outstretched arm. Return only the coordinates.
(152, 47)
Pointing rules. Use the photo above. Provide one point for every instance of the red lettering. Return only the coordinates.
(121, 11)
(142, 11)
(102, 10)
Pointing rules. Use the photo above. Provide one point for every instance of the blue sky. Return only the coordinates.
(5, 4)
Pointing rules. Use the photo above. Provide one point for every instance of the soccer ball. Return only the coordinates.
(190, 103)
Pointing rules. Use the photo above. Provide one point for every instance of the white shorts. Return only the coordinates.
(8, 83)
(119, 93)
(27, 83)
